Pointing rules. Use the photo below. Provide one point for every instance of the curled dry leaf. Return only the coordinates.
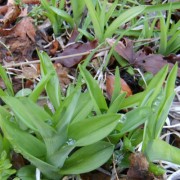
(76, 48)
(23, 29)
(110, 80)
(11, 15)
(54, 47)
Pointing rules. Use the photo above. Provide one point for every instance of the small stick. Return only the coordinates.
(55, 58)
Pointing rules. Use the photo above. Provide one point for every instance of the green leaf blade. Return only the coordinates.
(92, 129)
(88, 158)
(123, 18)
(94, 90)
(52, 87)
(160, 150)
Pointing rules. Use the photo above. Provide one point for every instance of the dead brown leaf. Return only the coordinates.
(144, 58)
(11, 16)
(30, 72)
(124, 48)
(75, 48)
(3, 10)
(110, 79)
(139, 168)
(62, 73)
(20, 39)
(24, 29)
(74, 35)
(18, 161)
(54, 47)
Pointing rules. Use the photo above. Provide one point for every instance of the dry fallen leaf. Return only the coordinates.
(73, 36)
(62, 73)
(11, 15)
(124, 49)
(76, 48)
(144, 58)
(24, 29)
(54, 47)
(20, 39)
(30, 72)
(110, 79)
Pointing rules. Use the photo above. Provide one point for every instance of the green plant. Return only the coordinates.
(37, 14)
(5, 167)
(57, 15)
(160, 102)
(78, 10)
(100, 14)
(159, 99)
(100, 17)
(56, 145)
(9, 91)
(169, 35)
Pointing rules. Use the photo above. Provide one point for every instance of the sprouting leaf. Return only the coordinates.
(63, 14)
(40, 87)
(84, 108)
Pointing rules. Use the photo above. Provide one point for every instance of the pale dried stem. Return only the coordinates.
(55, 58)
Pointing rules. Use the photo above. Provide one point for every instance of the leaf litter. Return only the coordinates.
(143, 58)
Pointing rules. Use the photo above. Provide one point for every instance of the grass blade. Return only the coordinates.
(123, 18)
(7, 82)
(94, 90)
(95, 19)
(40, 87)
(52, 87)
